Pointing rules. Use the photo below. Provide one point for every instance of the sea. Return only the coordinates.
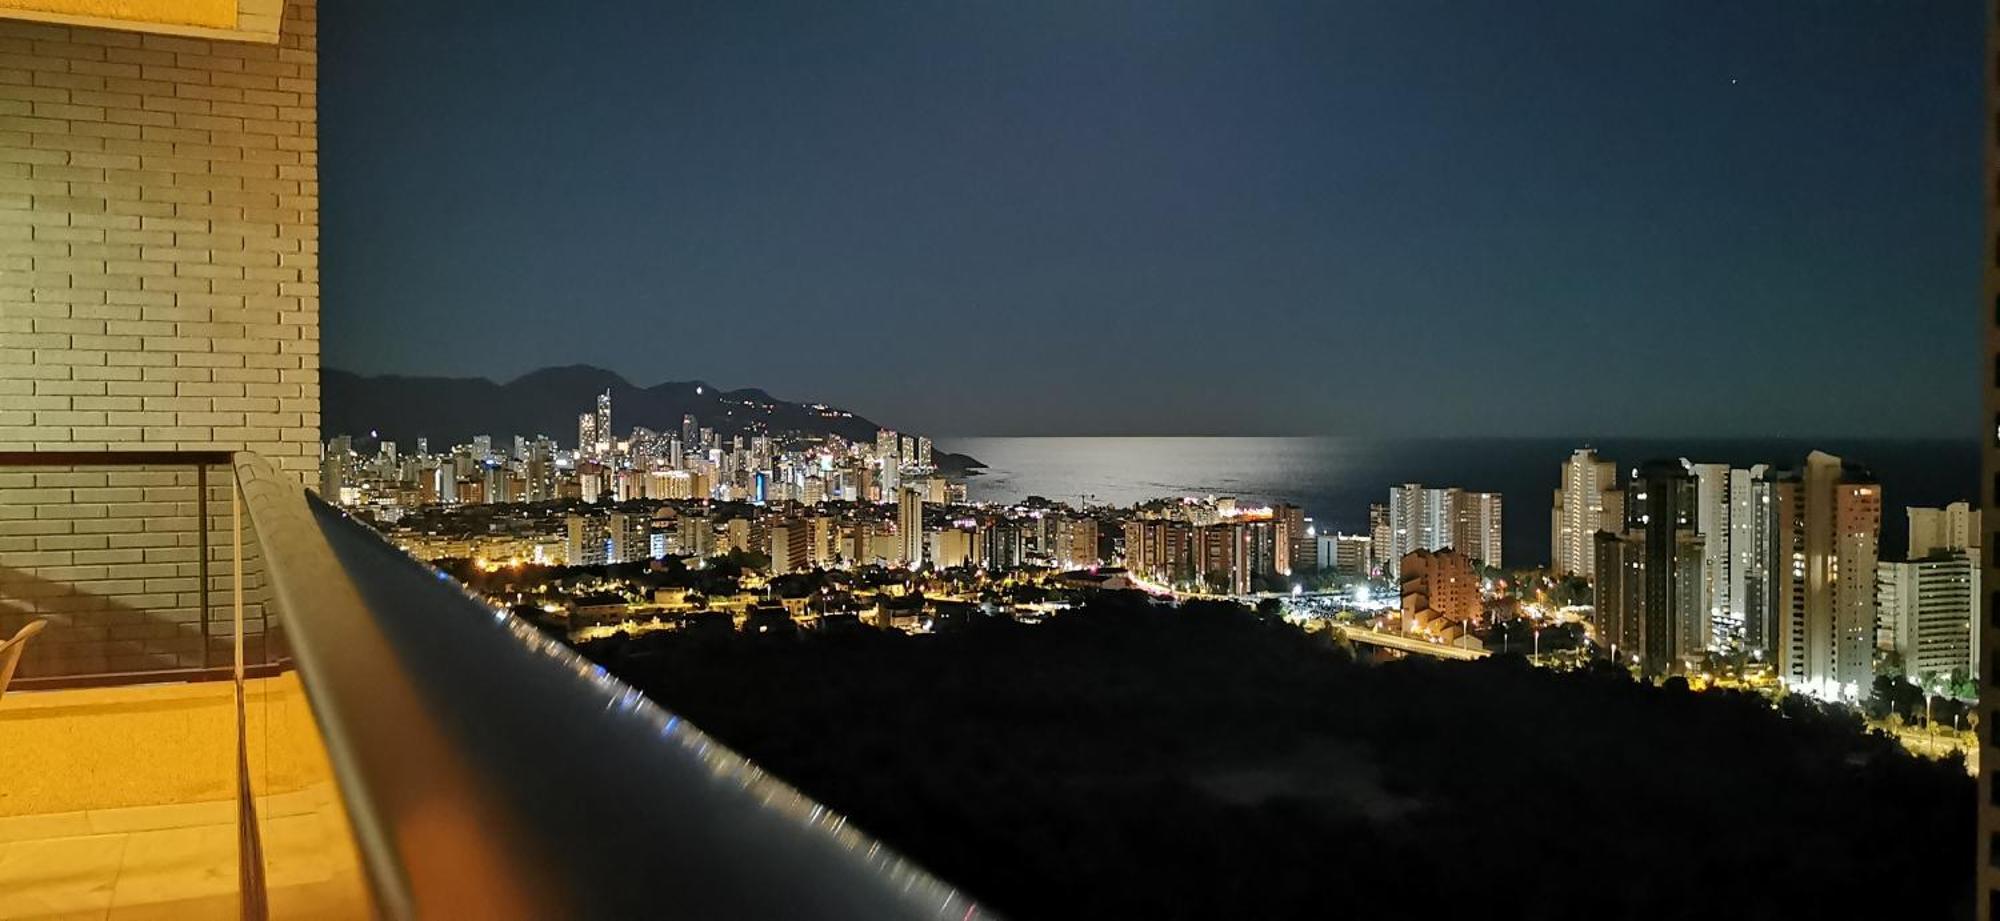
(1336, 478)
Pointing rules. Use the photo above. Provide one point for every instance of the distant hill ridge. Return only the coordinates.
(451, 410)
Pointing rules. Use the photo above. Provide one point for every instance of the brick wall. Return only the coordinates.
(159, 289)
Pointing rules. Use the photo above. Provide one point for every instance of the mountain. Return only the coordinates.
(450, 410)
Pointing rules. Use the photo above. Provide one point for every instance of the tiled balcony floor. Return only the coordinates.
(118, 803)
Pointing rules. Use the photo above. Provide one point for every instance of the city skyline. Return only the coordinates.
(1027, 205)
(1627, 304)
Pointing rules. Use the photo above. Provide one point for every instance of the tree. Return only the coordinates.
(1961, 685)
(1882, 696)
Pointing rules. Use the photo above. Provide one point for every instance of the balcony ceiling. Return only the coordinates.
(229, 20)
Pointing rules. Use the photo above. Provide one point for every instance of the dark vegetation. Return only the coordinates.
(1211, 762)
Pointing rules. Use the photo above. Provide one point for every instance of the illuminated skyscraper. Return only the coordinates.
(1828, 524)
(1924, 612)
(1476, 525)
(605, 438)
(1587, 502)
(1381, 537)
(1297, 551)
(910, 527)
(1418, 520)
(1734, 553)
(1425, 518)
(886, 452)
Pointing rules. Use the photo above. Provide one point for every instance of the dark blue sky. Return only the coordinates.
(1399, 217)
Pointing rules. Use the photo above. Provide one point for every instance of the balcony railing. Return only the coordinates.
(128, 556)
(398, 748)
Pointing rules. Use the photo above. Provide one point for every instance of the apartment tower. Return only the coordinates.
(1987, 900)
(1588, 501)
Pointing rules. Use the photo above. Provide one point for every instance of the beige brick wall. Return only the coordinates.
(159, 241)
(159, 289)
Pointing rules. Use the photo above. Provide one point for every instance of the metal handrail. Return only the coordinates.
(489, 771)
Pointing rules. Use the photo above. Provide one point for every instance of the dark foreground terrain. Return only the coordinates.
(1125, 761)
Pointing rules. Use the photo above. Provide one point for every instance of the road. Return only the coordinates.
(1407, 644)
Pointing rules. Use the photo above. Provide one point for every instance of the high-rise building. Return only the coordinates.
(1133, 533)
(586, 436)
(910, 528)
(886, 452)
(335, 467)
(1588, 501)
(1828, 520)
(1619, 588)
(791, 546)
(1381, 536)
(736, 534)
(1754, 548)
(1161, 551)
(696, 535)
(1296, 549)
(1476, 526)
(605, 438)
(614, 538)
(1924, 612)
(1734, 550)
(1425, 518)
(631, 538)
(999, 544)
(589, 542)
(1662, 505)
(1082, 542)
(1987, 861)
(1418, 520)
(1222, 554)
(1952, 528)
(820, 551)
(952, 547)
(1713, 525)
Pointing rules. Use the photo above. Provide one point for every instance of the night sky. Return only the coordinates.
(1075, 217)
